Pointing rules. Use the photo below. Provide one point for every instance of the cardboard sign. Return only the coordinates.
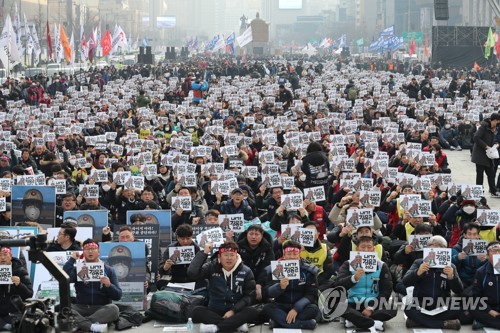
(5, 274)
(235, 222)
(285, 269)
(89, 191)
(307, 236)
(488, 217)
(292, 202)
(181, 254)
(181, 202)
(364, 260)
(315, 194)
(437, 257)
(89, 272)
(214, 236)
(496, 263)
(474, 247)
(360, 217)
(370, 198)
(418, 242)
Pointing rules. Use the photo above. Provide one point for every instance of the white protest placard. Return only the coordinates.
(307, 236)
(418, 242)
(89, 191)
(364, 260)
(272, 180)
(60, 185)
(285, 269)
(315, 194)
(6, 184)
(287, 182)
(360, 217)
(496, 263)
(121, 177)
(5, 274)
(407, 200)
(292, 202)
(474, 247)
(235, 222)
(250, 171)
(3, 204)
(472, 192)
(89, 271)
(181, 254)
(421, 208)
(488, 217)
(187, 179)
(99, 175)
(214, 236)
(437, 257)
(291, 231)
(181, 202)
(370, 198)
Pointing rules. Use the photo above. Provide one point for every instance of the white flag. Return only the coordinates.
(59, 48)
(84, 48)
(8, 48)
(17, 29)
(245, 38)
(72, 46)
(29, 40)
(119, 39)
(36, 46)
(220, 45)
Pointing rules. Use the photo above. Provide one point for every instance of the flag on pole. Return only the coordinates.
(413, 47)
(17, 28)
(83, 46)
(210, 46)
(387, 32)
(27, 35)
(119, 39)
(498, 46)
(343, 41)
(36, 46)
(65, 44)
(220, 45)
(57, 40)
(72, 47)
(8, 48)
(426, 46)
(106, 43)
(476, 66)
(490, 42)
(245, 38)
(92, 45)
(360, 42)
(230, 43)
(49, 40)
(144, 42)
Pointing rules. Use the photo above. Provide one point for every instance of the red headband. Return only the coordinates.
(90, 245)
(225, 249)
(6, 250)
(291, 249)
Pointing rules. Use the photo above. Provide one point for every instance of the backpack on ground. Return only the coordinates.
(173, 306)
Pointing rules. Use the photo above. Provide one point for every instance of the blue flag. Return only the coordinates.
(230, 43)
(387, 32)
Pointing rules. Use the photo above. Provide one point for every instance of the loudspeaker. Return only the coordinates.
(146, 59)
(345, 52)
(441, 10)
(184, 52)
(148, 49)
(141, 49)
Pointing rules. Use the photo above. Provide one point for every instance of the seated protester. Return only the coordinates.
(318, 255)
(21, 286)
(457, 216)
(65, 240)
(282, 238)
(170, 271)
(269, 203)
(466, 264)
(338, 214)
(235, 205)
(256, 252)
(68, 203)
(295, 301)
(318, 215)
(282, 216)
(432, 286)
(409, 223)
(231, 292)
(392, 205)
(486, 285)
(189, 217)
(93, 307)
(211, 218)
(366, 292)
(405, 257)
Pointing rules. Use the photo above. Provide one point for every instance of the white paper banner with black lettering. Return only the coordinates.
(473, 192)
(214, 236)
(314, 194)
(488, 217)
(181, 254)
(366, 261)
(89, 271)
(291, 231)
(360, 217)
(181, 202)
(235, 222)
(5, 274)
(437, 257)
(285, 269)
(89, 191)
(287, 182)
(407, 200)
(421, 208)
(418, 242)
(474, 247)
(292, 202)
(370, 198)
(307, 236)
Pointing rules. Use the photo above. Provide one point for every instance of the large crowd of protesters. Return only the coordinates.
(335, 123)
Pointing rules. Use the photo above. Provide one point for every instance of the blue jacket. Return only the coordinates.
(298, 293)
(93, 293)
(487, 284)
(466, 268)
(227, 207)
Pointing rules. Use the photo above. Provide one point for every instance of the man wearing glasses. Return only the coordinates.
(68, 203)
(65, 240)
(487, 285)
(93, 307)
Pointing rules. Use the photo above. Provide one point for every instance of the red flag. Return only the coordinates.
(106, 43)
(498, 46)
(476, 66)
(49, 40)
(426, 47)
(413, 47)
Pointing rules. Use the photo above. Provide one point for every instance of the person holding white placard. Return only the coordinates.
(487, 284)
(18, 285)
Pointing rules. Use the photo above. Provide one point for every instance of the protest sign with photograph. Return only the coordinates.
(474, 247)
(314, 194)
(408, 200)
(89, 191)
(235, 222)
(285, 269)
(437, 257)
(370, 198)
(44, 200)
(214, 236)
(421, 208)
(152, 217)
(97, 219)
(360, 217)
(363, 260)
(307, 236)
(488, 217)
(5, 274)
(496, 263)
(291, 231)
(472, 192)
(89, 271)
(292, 202)
(183, 203)
(181, 254)
(418, 242)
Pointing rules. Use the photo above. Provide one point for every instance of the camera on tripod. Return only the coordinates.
(34, 315)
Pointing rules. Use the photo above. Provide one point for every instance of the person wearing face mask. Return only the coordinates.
(32, 205)
(449, 137)
(458, 216)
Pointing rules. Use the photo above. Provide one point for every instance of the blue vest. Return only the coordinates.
(367, 288)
